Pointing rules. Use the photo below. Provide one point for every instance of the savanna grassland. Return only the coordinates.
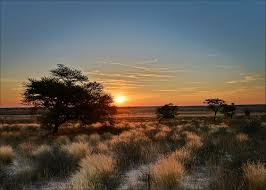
(138, 152)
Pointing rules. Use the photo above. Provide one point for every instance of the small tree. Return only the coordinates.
(168, 111)
(68, 95)
(215, 105)
(229, 110)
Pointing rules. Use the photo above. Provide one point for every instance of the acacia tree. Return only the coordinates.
(168, 111)
(229, 110)
(214, 104)
(68, 95)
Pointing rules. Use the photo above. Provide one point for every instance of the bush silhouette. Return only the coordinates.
(214, 104)
(168, 111)
(228, 110)
(68, 95)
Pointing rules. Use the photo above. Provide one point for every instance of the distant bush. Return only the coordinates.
(228, 110)
(168, 111)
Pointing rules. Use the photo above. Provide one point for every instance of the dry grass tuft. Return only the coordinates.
(242, 138)
(97, 172)
(193, 141)
(167, 173)
(7, 154)
(255, 175)
(62, 140)
(78, 149)
(82, 138)
(133, 148)
(53, 162)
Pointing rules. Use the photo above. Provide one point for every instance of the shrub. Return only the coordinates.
(97, 172)
(255, 175)
(6, 154)
(168, 111)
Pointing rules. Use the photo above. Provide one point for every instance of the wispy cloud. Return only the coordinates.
(247, 78)
(133, 75)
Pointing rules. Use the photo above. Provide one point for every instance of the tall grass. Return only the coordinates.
(167, 173)
(6, 154)
(78, 149)
(97, 172)
(255, 175)
(53, 162)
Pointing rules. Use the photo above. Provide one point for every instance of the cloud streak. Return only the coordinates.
(246, 79)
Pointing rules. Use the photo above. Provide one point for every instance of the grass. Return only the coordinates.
(78, 149)
(53, 162)
(232, 150)
(7, 154)
(255, 175)
(97, 172)
(167, 173)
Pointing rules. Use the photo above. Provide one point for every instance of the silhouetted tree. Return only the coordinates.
(214, 104)
(229, 110)
(68, 95)
(168, 111)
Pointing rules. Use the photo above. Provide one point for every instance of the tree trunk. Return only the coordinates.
(214, 115)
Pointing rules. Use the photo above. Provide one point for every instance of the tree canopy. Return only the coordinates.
(68, 95)
(214, 104)
(168, 111)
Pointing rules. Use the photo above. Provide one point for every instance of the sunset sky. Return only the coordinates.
(149, 52)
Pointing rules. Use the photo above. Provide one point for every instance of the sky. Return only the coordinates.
(150, 52)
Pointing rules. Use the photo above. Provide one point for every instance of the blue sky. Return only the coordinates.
(212, 44)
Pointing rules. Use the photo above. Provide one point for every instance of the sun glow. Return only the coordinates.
(120, 100)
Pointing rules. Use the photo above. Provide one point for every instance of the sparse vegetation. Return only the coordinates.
(192, 152)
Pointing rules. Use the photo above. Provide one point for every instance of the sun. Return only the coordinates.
(120, 100)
